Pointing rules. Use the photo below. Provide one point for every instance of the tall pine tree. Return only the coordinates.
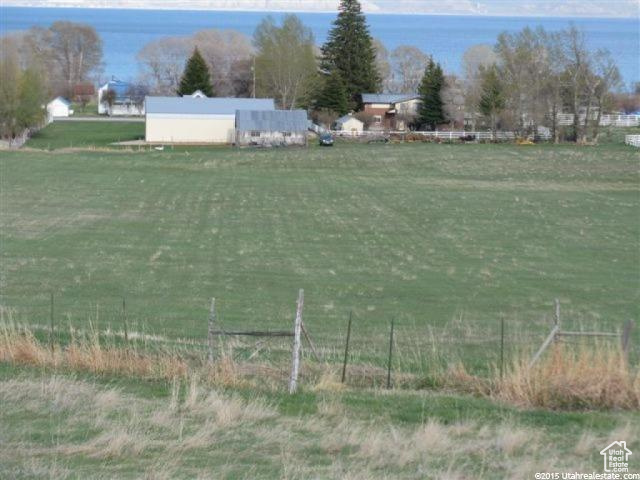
(431, 113)
(349, 50)
(196, 76)
(333, 95)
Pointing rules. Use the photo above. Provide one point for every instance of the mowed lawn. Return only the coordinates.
(446, 239)
(85, 134)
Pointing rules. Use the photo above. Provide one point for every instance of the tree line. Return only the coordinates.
(521, 83)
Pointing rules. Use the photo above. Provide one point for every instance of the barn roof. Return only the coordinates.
(272, 121)
(205, 106)
(388, 97)
(346, 118)
(121, 88)
(62, 100)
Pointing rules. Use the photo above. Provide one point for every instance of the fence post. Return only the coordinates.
(557, 313)
(625, 339)
(346, 349)
(124, 321)
(51, 325)
(390, 354)
(211, 326)
(501, 346)
(295, 367)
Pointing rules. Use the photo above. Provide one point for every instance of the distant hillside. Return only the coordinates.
(257, 5)
(541, 8)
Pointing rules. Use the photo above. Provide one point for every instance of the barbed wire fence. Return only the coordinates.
(387, 346)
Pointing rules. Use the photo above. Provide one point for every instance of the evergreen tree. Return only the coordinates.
(431, 113)
(196, 76)
(333, 95)
(492, 100)
(350, 50)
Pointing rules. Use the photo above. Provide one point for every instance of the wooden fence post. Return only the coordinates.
(124, 321)
(295, 367)
(547, 342)
(501, 346)
(51, 325)
(390, 354)
(625, 339)
(212, 321)
(346, 349)
(557, 313)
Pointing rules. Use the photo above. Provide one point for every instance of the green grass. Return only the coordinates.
(85, 134)
(67, 426)
(444, 238)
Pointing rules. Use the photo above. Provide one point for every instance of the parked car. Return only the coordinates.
(326, 140)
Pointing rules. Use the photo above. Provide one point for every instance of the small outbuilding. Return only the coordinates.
(59, 107)
(350, 124)
(272, 128)
(197, 120)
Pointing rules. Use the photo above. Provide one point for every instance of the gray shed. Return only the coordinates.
(271, 128)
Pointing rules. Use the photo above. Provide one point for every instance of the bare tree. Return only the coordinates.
(383, 65)
(605, 80)
(77, 51)
(409, 64)
(475, 59)
(162, 62)
(229, 55)
(454, 101)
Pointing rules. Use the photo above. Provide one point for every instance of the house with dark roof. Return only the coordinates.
(197, 120)
(271, 128)
(390, 111)
(118, 98)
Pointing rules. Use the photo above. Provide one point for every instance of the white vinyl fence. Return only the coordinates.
(633, 140)
(443, 135)
(605, 120)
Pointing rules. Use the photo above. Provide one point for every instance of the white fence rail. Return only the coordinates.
(633, 140)
(443, 135)
(605, 120)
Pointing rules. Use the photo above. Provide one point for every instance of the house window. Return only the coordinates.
(255, 133)
(377, 119)
(286, 134)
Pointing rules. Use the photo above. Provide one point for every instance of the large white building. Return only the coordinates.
(197, 120)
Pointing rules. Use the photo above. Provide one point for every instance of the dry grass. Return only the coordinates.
(587, 378)
(595, 377)
(20, 346)
(158, 438)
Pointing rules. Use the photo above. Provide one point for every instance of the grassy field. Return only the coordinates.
(85, 134)
(70, 426)
(446, 239)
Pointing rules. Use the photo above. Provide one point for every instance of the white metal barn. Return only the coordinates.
(59, 107)
(197, 120)
(271, 128)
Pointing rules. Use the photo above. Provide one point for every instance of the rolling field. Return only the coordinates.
(446, 239)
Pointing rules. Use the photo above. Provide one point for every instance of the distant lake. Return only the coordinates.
(125, 32)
